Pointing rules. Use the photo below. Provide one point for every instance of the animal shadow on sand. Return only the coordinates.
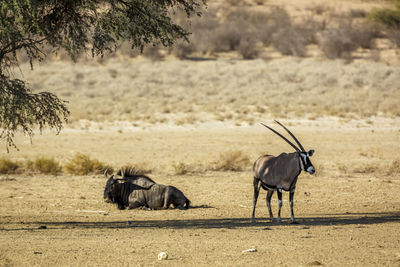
(214, 223)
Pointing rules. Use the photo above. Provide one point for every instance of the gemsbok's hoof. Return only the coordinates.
(294, 222)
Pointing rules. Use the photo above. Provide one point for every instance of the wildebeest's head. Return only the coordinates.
(107, 189)
(114, 191)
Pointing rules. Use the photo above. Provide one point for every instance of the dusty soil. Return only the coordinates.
(349, 216)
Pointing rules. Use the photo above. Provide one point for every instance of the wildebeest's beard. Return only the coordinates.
(116, 195)
(119, 194)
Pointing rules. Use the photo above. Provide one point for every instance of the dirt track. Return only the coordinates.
(346, 219)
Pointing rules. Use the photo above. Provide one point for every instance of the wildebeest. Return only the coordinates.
(128, 174)
(134, 191)
(157, 196)
(280, 173)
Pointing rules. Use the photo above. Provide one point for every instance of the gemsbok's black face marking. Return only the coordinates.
(306, 164)
(280, 173)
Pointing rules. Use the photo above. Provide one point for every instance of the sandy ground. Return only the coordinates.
(347, 217)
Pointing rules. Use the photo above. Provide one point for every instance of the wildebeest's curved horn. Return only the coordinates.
(284, 138)
(292, 135)
(106, 172)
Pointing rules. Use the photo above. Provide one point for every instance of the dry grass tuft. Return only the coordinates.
(342, 168)
(180, 168)
(367, 168)
(82, 164)
(232, 161)
(8, 166)
(394, 167)
(44, 165)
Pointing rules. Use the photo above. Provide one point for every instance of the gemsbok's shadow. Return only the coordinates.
(212, 223)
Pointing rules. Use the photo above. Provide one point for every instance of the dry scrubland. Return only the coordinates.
(348, 68)
(194, 123)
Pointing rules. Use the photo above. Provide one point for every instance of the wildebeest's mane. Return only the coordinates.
(132, 172)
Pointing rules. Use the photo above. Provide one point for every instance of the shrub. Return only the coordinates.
(292, 38)
(182, 50)
(337, 43)
(238, 23)
(259, 2)
(232, 161)
(225, 38)
(386, 16)
(44, 165)
(7, 166)
(263, 25)
(357, 13)
(319, 9)
(203, 30)
(82, 164)
(364, 34)
(394, 35)
(289, 41)
(309, 27)
(340, 42)
(248, 48)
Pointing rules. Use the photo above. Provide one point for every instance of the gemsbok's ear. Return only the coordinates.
(311, 152)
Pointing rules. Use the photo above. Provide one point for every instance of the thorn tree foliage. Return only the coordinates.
(76, 26)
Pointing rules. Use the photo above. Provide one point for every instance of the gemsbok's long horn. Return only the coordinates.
(284, 138)
(292, 135)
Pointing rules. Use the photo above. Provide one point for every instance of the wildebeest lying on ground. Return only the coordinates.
(128, 174)
(134, 191)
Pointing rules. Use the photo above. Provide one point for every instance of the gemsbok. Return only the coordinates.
(280, 173)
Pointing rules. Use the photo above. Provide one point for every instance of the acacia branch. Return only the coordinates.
(22, 109)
